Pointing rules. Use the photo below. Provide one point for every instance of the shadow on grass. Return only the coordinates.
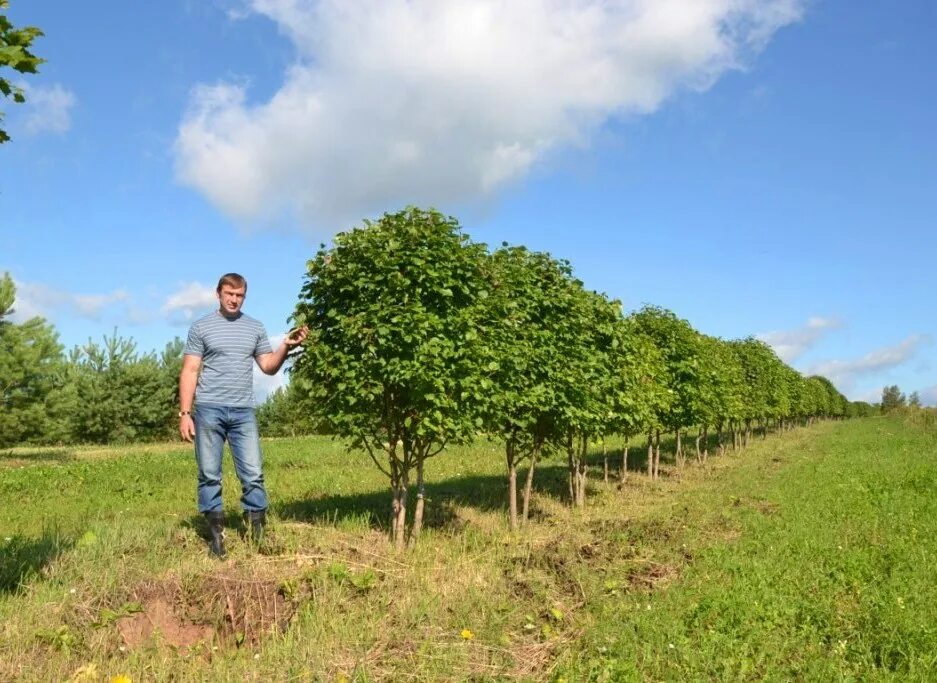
(22, 558)
(487, 493)
(22, 457)
(483, 492)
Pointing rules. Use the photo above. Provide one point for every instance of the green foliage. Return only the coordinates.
(764, 393)
(518, 398)
(119, 395)
(893, 399)
(637, 389)
(31, 369)
(15, 54)
(681, 348)
(284, 414)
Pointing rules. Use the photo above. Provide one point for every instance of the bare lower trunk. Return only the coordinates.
(699, 453)
(571, 467)
(529, 484)
(580, 471)
(624, 462)
(705, 444)
(650, 456)
(748, 433)
(400, 517)
(764, 434)
(678, 449)
(420, 504)
(512, 486)
(605, 459)
(657, 455)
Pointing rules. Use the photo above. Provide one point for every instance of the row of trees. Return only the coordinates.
(96, 393)
(421, 338)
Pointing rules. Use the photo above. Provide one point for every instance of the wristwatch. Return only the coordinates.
(183, 413)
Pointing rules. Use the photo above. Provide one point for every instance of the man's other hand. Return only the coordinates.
(187, 428)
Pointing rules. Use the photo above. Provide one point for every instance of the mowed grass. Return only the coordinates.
(810, 556)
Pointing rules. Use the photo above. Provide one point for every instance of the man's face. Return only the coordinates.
(231, 299)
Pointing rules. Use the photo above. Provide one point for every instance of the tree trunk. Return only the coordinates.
(571, 467)
(529, 484)
(512, 485)
(420, 502)
(678, 449)
(624, 461)
(705, 444)
(657, 455)
(650, 456)
(579, 462)
(605, 459)
(764, 434)
(699, 453)
(400, 520)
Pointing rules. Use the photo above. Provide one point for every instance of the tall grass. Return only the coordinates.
(807, 556)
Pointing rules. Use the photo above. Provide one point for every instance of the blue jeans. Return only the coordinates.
(213, 425)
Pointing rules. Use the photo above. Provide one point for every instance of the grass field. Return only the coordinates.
(810, 556)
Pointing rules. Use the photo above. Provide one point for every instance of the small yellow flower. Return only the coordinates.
(466, 634)
(121, 678)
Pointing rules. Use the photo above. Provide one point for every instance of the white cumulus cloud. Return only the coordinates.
(439, 101)
(47, 109)
(792, 344)
(844, 373)
(190, 299)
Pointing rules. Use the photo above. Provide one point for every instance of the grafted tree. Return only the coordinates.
(390, 309)
(721, 392)
(761, 373)
(515, 344)
(637, 393)
(679, 345)
(590, 342)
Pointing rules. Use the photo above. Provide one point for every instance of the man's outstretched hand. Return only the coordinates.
(297, 337)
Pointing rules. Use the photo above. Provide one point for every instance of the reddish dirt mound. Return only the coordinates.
(159, 619)
(227, 606)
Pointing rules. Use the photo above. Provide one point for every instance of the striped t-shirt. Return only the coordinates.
(227, 347)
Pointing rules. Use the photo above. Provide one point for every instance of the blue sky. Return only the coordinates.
(759, 167)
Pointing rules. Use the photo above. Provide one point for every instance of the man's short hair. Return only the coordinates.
(232, 280)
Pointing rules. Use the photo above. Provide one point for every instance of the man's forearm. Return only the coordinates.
(275, 360)
(187, 382)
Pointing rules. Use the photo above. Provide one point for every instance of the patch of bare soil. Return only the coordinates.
(226, 606)
(160, 620)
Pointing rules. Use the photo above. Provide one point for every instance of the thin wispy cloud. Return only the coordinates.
(441, 101)
(189, 300)
(47, 109)
(36, 299)
(844, 373)
(792, 344)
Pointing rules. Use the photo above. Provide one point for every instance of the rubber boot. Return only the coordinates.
(257, 520)
(216, 531)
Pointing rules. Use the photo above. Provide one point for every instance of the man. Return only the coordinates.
(217, 370)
